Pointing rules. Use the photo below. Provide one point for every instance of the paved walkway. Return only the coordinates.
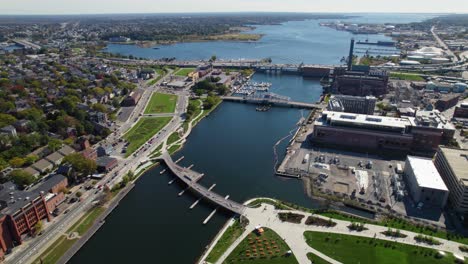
(293, 234)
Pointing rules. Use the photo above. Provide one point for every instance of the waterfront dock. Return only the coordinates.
(191, 178)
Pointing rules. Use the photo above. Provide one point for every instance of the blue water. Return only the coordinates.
(290, 42)
(233, 147)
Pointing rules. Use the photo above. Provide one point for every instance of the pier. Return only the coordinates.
(191, 178)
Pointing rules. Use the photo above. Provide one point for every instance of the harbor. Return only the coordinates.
(250, 88)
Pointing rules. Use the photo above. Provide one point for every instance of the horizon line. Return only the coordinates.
(227, 12)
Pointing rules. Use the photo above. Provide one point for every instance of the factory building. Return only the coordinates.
(352, 104)
(423, 133)
(452, 165)
(461, 111)
(424, 182)
(359, 82)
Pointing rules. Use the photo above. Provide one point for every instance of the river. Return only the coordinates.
(233, 147)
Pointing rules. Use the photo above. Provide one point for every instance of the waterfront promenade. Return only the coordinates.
(293, 234)
(190, 178)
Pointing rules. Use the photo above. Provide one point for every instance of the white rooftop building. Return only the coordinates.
(424, 182)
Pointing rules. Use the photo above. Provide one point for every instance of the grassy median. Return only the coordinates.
(55, 251)
(146, 128)
(161, 103)
(354, 249)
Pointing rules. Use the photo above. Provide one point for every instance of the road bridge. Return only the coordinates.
(272, 101)
(26, 44)
(191, 178)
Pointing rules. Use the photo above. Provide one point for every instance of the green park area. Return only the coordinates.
(354, 249)
(55, 251)
(407, 76)
(184, 72)
(161, 103)
(146, 128)
(265, 248)
(229, 236)
(85, 222)
(388, 221)
(61, 245)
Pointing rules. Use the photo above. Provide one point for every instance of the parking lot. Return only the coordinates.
(364, 177)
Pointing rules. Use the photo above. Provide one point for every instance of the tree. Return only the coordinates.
(79, 194)
(17, 162)
(209, 102)
(38, 227)
(22, 178)
(81, 164)
(54, 144)
(31, 158)
(6, 119)
(213, 58)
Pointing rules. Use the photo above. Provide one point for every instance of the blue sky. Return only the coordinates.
(165, 6)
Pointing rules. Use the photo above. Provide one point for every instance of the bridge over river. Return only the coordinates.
(191, 178)
(272, 101)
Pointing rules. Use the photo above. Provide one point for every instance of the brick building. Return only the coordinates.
(359, 82)
(21, 210)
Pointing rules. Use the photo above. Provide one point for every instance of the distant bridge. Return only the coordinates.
(26, 44)
(271, 101)
(191, 178)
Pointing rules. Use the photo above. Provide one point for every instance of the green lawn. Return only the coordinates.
(173, 138)
(86, 221)
(143, 131)
(228, 237)
(353, 249)
(161, 103)
(55, 251)
(249, 251)
(388, 222)
(173, 149)
(184, 72)
(316, 259)
(406, 76)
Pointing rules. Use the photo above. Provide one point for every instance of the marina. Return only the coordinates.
(250, 88)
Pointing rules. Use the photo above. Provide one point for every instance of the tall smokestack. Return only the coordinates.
(351, 51)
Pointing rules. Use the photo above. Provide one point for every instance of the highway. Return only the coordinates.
(443, 45)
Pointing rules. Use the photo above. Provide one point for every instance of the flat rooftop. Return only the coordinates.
(458, 161)
(426, 173)
(383, 121)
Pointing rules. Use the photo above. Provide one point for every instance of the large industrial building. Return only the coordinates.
(452, 165)
(359, 82)
(423, 133)
(424, 182)
(352, 104)
(21, 210)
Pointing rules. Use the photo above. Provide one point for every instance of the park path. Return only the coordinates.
(293, 234)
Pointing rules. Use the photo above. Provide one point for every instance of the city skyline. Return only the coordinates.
(49, 7)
